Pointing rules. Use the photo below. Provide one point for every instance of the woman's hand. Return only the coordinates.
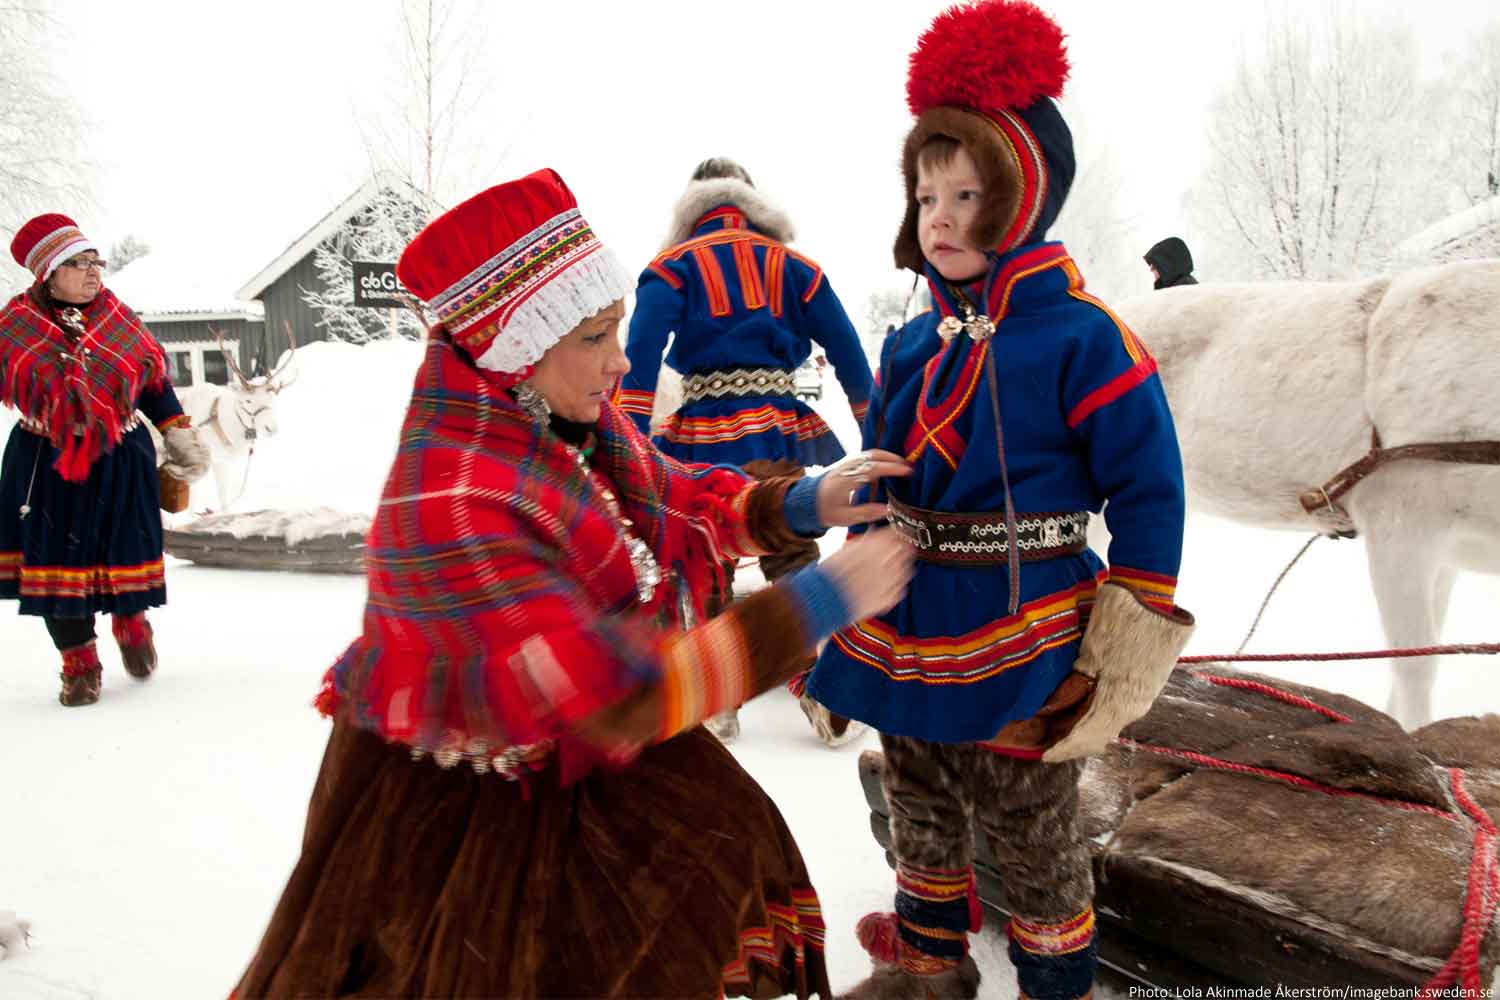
(836, 489)
(872, 571)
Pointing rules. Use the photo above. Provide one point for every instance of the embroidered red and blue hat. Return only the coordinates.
(986, 74)
(512, 271)
(46, 241)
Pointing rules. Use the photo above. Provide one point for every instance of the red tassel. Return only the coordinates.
(879, 935)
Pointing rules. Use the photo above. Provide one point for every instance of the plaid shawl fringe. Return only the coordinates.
(502, 605)
(95, 396)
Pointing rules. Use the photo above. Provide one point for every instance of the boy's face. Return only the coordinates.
(948, 199)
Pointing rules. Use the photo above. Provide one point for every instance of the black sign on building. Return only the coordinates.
(376, 286)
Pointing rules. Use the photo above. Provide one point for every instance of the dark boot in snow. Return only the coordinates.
(133, 633)
(80, 675)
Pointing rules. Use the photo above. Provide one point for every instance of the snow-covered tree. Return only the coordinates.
(126, 249)
(378, 232)
(1469, 138)
(1098, 233)
(1309, 146)
(40, 130)
(884, 309)
(412, 140)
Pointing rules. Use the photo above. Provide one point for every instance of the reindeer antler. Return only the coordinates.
(291, 355)
(234, 365)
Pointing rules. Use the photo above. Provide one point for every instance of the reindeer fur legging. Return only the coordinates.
(938, 792)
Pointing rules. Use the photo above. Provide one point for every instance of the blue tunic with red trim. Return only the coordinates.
(738, 299)
(1085, 422)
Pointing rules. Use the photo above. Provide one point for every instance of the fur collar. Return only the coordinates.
(703, 196)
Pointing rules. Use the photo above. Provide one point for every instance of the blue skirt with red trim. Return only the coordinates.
(755, 428)
(86, 547)
(949, 664)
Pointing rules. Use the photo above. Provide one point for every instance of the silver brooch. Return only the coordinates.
(532, 402)
(644, 564)
(980, 328)
(949, 327)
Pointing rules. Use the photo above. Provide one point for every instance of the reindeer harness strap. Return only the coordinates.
(1461, 452)
(213, 421)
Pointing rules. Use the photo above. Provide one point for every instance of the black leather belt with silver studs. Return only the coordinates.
(983, 540)
(737, 382)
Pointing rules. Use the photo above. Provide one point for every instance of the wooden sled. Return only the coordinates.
(316, 541)
(1296, 850)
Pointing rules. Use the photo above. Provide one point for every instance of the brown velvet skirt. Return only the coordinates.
(676, 877)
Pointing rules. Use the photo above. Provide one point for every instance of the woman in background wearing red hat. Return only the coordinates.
(517, 798)
(80, 528)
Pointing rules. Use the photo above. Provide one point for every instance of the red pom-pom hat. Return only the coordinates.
(986, 74)
(512, 271)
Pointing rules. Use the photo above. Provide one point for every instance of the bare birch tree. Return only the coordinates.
(412, 141)
(1307, 172)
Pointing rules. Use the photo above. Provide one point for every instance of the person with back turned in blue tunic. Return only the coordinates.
(743, 311)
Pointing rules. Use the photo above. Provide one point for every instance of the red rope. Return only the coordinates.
(1482, 648)
(1217, 764)
(1482, 897)
(1274, 693)
(1462, 967)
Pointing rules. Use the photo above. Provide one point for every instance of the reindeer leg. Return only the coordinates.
(1404, 575)
(221, 485)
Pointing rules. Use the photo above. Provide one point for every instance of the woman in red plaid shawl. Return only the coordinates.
(80, 528)
(517, 798)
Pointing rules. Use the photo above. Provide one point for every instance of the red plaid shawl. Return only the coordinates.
(502, 606)
(90, 386)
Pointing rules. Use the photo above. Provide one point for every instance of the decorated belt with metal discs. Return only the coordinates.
(737, 382)
(983, 540)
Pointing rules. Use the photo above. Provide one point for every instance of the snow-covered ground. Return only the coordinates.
(147, 837)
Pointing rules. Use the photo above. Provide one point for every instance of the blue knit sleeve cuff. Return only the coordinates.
(801, 506)
(824, 610)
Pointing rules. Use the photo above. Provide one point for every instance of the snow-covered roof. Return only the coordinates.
(1431, 241)
(174, 284)
(326, 227)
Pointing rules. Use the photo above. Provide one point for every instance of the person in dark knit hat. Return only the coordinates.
(1023, 405)
(80, 521)
(517, 799)
(1171, 264)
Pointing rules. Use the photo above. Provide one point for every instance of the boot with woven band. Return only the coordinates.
(80, 675)
(137, 649)
(893, 978)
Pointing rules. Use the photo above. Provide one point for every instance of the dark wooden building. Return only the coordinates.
(278, 288)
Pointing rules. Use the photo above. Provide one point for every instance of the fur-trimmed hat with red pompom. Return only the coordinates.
(986, 74)
(46, 241)
(512, 271)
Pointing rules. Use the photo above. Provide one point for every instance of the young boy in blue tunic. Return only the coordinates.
(1022, 404)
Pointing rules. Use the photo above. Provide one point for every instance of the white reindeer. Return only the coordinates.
(1278, 387)
(233, 417)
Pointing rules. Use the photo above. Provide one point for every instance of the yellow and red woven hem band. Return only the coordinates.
(933, 906)
(1071, 935)
(704, 672)
(509, 310)
(56, 247)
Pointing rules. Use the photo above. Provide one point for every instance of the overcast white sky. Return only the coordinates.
(221, 131)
